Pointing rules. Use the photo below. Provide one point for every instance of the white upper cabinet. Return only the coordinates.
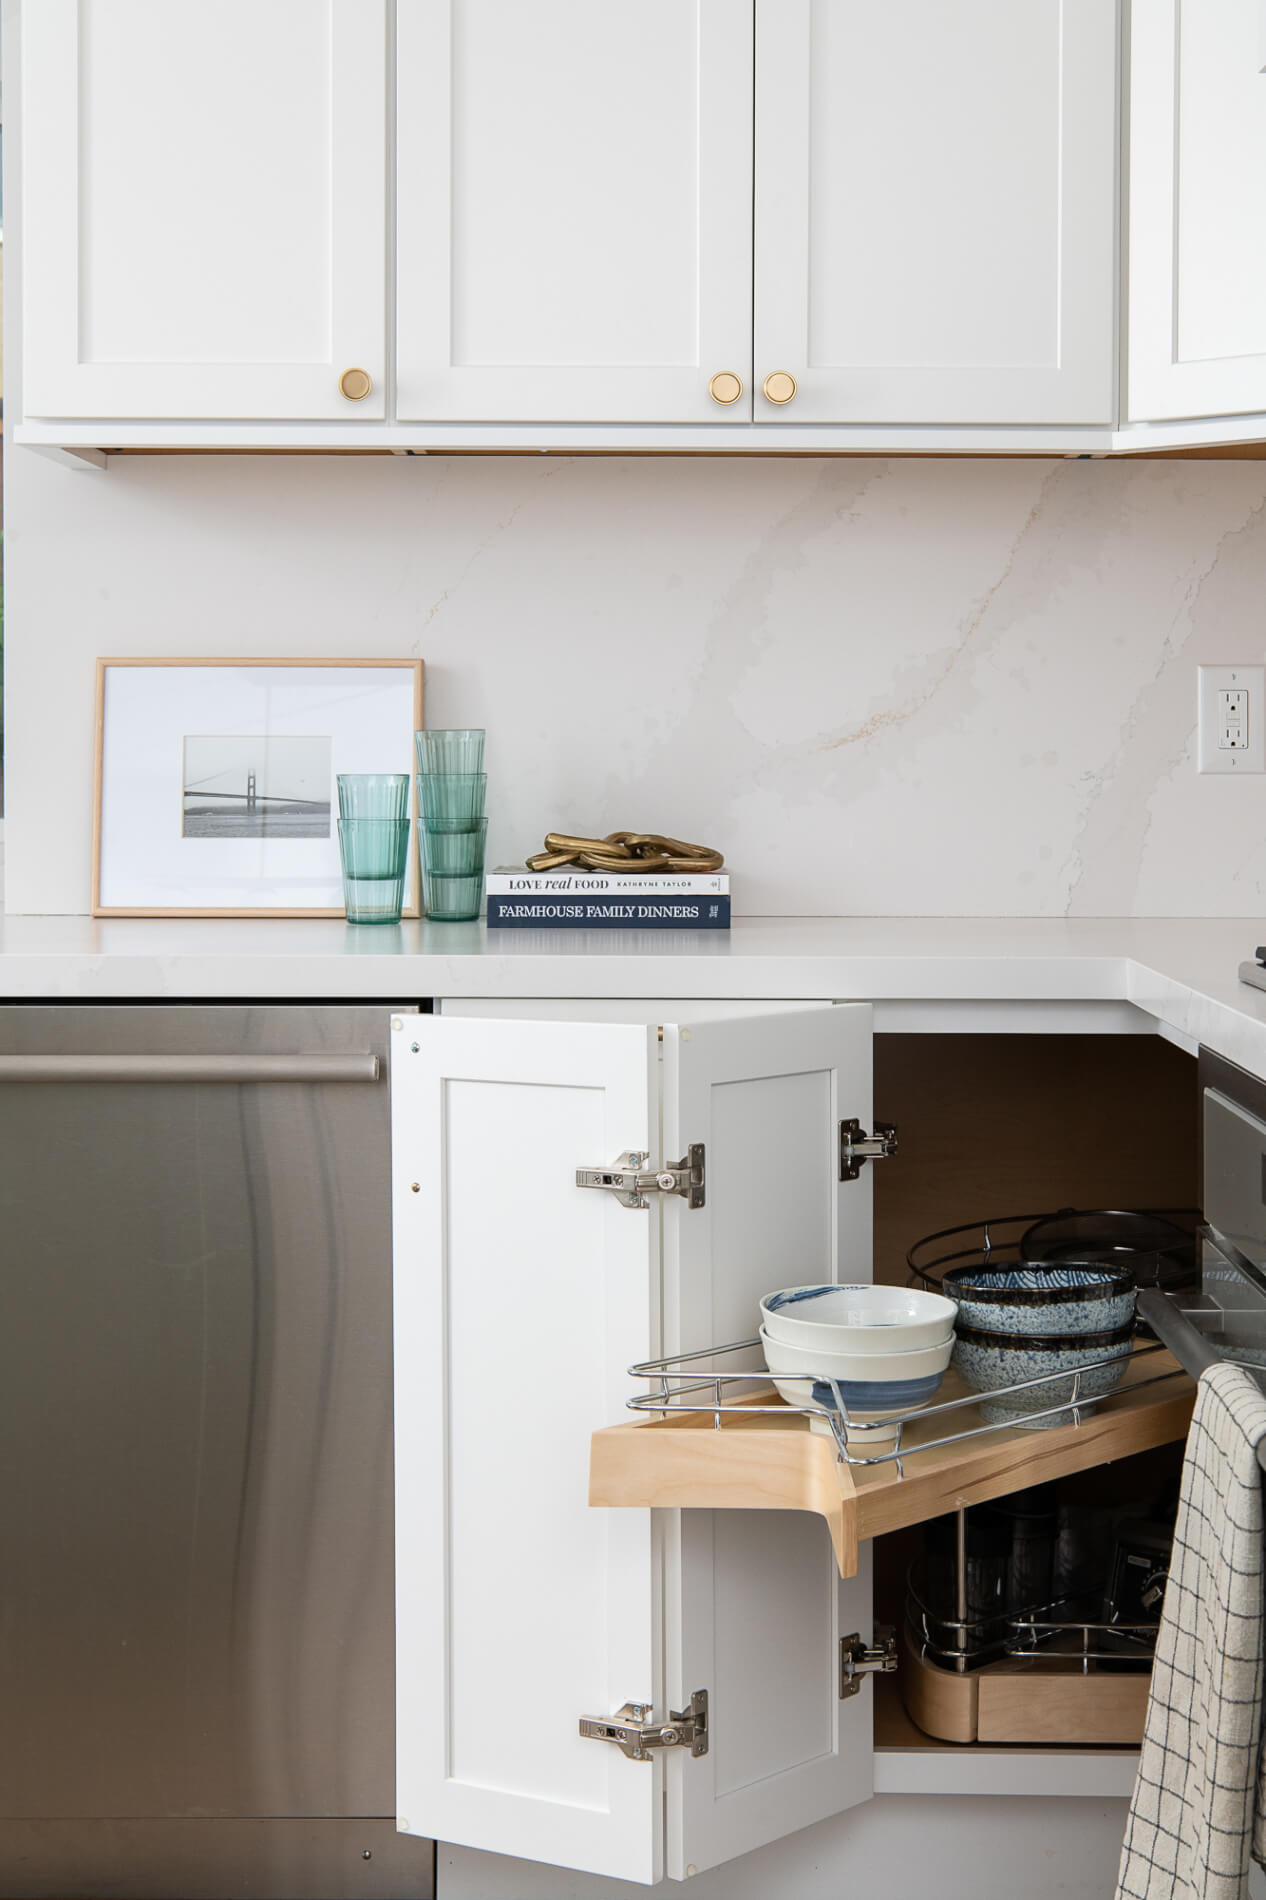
(574, 210)
(203, 207)
(935, 210)
(521, 1299)
(1197, 247)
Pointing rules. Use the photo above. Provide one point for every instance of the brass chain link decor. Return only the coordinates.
(625, 851)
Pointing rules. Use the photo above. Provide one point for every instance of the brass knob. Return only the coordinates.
(355, 384)
(780, 386)
(725, 386)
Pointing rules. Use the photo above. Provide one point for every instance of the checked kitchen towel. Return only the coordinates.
(1197, 1808)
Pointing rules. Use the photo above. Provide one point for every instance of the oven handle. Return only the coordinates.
(1174, 1330)
(299, 1068)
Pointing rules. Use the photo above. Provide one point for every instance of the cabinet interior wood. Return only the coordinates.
(995, 1125)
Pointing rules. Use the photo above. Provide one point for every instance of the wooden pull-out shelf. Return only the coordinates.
(769, 1463)
(1050, 1701)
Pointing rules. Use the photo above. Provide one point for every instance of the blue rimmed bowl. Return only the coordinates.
(991, 1361)
(874, 1387)
(1041, 1301)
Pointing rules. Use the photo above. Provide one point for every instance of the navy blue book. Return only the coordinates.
(610, 911)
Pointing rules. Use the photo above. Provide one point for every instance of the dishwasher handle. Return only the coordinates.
(243, 1068)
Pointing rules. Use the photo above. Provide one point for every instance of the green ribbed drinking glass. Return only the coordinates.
(375, 853)
(451, 749)
(373, 795)
(457, 796)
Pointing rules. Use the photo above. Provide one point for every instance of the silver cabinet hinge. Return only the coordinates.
(635, 1731)
(858, 1659)
(631, 1180)
(856, 1149)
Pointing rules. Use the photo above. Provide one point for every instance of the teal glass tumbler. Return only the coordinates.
(375, 853)
(452, 796)
(451, 749)
(383, 795)
(452, 900)
(454, 850)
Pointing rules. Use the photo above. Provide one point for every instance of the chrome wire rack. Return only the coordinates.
(1050, 1632)
(681, 1381)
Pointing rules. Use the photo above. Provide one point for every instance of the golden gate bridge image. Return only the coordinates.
(242, 787)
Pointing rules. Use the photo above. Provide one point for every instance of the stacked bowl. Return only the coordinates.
(452, 789)
(1022, 1322)
(880, 1351)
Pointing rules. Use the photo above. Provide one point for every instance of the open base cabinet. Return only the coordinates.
(716, 1588)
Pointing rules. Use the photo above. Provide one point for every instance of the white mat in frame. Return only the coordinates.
(166, 725)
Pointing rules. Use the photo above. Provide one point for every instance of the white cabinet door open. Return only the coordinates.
(755, 1611)
(521, 1300)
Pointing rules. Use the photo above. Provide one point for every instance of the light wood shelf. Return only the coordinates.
(773, 1463)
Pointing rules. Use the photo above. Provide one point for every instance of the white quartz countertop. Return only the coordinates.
(1182, 972)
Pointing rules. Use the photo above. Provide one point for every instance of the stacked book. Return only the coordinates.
(608, 900)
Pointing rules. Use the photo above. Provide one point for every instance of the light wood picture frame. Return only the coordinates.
(146, 835)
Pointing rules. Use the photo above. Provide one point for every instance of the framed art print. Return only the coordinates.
(215, 781)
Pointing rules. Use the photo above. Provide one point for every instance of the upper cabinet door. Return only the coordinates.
(754, 1612)
(1197, 278)
(574, 210)
(935, 210)
(203, 208)
(520, 1300)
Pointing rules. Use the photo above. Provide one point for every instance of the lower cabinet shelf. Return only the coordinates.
(775, 1463)
(1051, 1701)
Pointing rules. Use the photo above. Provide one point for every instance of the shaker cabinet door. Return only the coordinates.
(520, 1299)
(755, 1609)
(935, 211)
(574, 210)
(203, 215)
(1197, 264)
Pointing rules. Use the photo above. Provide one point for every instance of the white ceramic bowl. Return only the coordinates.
(874, 1386)
(879, 1420)
(870, 1370)
(858, 1319)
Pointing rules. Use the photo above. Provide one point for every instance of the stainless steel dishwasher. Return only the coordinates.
(196, 1623)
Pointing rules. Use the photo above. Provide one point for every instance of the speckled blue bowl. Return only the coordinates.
(988, 1361)
(1065, 1299)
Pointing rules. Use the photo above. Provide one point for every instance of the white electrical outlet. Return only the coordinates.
(1231, 729)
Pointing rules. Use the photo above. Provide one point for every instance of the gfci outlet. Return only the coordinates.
(1231, 730)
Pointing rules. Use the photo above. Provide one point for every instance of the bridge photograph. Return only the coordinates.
(257, 788)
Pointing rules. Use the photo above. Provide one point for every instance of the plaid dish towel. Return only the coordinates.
(1198, 1801)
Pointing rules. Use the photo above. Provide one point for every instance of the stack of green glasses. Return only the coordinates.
(452, 787)
(373, 839)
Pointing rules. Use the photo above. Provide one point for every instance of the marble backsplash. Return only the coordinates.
(920, 687)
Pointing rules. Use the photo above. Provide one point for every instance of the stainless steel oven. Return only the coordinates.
(1222, 1314)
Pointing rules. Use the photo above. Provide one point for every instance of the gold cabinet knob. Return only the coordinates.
(355, 384)
(779, 386)
(725, 386)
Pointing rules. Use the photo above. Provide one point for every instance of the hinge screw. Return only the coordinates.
(416, 1186)
(414, 1047)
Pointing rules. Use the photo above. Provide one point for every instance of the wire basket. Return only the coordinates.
(1158, 1246)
